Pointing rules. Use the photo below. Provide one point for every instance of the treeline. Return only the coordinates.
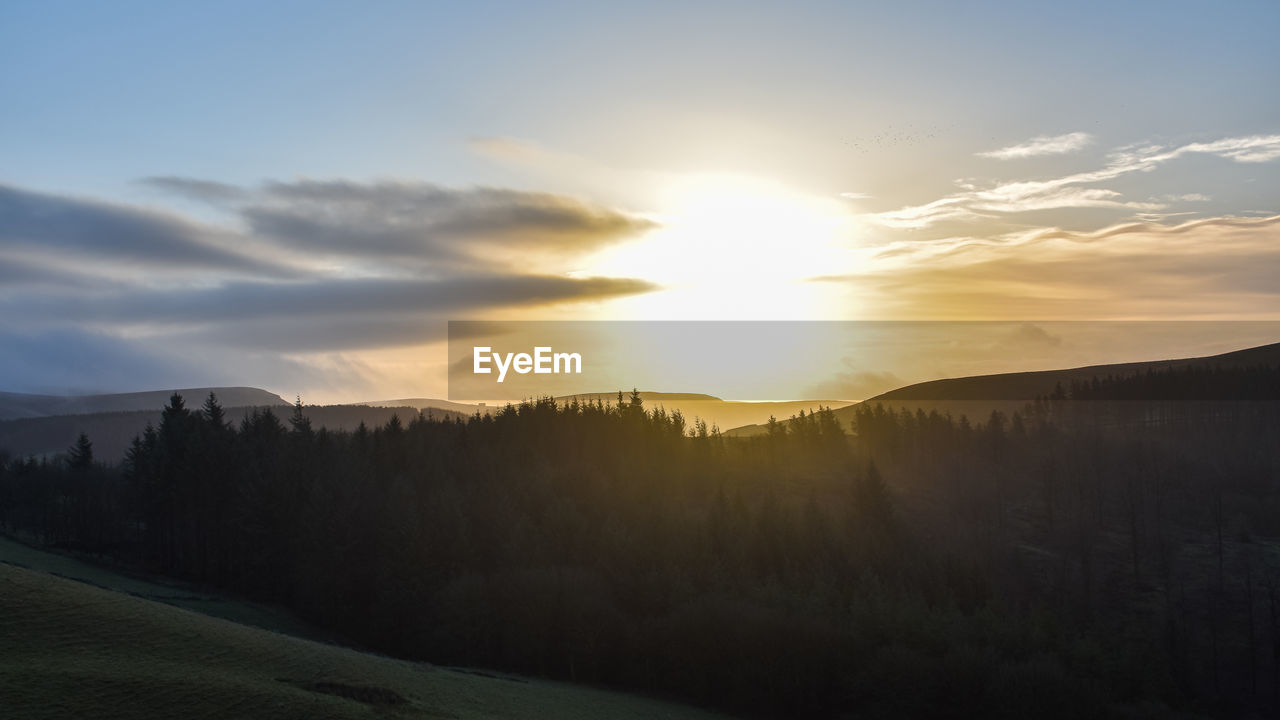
(113, 432)
(910, 564)
(1257, 383)
(1155, 522)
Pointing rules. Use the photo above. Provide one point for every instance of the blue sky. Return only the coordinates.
(102, 93)
(890, 159)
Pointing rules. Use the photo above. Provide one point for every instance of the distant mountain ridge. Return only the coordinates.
(38, 424)
(426, 404)
(1026, 386)
(714, 410)
(15, 406)
(608, 397)
(647, 396)
(112, 432)
(976, 396)
(723, 414)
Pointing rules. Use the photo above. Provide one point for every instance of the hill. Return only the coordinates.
(22, 405)
(112, 432)
(70, 649)
(715, 411)
(431, 404)
(648, 396)
(1026, 386)
(977, 396)
(47, 424)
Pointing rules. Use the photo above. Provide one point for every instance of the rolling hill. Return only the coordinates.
(101, 646)
(112, 432)
(1025, 386)
(29, 424)
(714, 410)
(977, 396)
(22, 405)
(432, 404)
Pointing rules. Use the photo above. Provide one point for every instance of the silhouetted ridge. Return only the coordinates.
(22, 405)
(1026, 386)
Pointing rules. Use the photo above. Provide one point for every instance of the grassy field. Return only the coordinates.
(170, 593)
(97, 646)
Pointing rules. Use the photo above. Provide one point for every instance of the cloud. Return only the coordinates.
(1153, 217)
(75, 229)
(1132, 270)
(855, 385)
(18, 270)
(1030, 334)
(856, 196)
(415, 221)
(1248, 149)
(1065, 191)
(372, 300)
(920, 216)
(1041, 146)
(1257, 148)
(207, 191)
(297, 272)
(75, 360)
(509, 149)
(1064, 197)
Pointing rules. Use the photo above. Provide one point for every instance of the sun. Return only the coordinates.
(736, 248)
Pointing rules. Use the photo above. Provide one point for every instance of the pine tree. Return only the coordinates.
(300, 422)
(176, 404)
(872, 496)
(80, 455)
(213, 412)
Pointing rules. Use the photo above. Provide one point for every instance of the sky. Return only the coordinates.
(298, 196)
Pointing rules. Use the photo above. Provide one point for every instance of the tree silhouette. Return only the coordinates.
(906, 563)
(80, 455)
(299, 421)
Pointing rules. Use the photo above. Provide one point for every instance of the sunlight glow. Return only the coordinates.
(733, 247)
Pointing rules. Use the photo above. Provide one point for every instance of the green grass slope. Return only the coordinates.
(69, 649)
(268, 617)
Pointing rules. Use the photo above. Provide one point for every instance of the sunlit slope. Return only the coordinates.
(73, 650)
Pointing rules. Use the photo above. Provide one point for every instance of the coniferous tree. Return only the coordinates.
(213, 413)
(872, 496)
(80, 455)
(599, 542)
(299, 421)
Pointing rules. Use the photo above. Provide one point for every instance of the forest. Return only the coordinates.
(1110, 551)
